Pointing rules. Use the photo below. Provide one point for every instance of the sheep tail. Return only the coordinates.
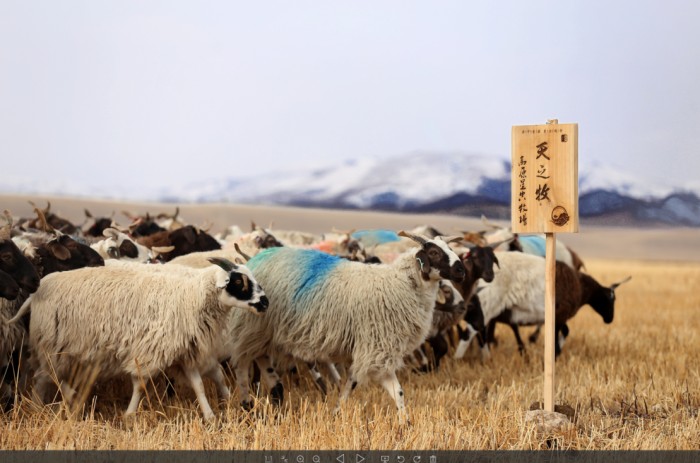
(20, 313)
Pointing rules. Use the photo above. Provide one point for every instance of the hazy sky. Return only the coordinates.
(171, 92)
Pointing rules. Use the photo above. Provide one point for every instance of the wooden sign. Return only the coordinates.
(544, 180)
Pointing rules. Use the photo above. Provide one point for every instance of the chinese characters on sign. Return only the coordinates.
(542, 192)
(545, 178)
(522, 206)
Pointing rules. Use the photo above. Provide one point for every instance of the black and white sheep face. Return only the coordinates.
(239, 288)
(439, 261)
(119, 245)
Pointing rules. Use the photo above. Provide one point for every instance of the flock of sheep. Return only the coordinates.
(163, 297)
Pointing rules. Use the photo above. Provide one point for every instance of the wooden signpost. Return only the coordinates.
(544, 199)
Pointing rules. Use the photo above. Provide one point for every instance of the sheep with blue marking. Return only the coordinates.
(324, 308)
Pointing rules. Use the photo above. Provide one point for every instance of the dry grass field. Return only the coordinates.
(635, 384)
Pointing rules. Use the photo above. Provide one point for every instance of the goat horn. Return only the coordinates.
(116, 226)
(225, 264)
(206, 227)
(238, 250)
(452, 239)
(8, 217)
(498, 243)
(488, 223)
(177, 212)
(6, 231)
(163, 249)
(418, 239)
(42, 219)
(128, 215)
(87, 213)
(110, 233)
(615, 285)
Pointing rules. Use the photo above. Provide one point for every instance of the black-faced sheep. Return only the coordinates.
(517, 294)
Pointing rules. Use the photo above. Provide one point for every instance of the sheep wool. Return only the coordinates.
(127, 321)
(326, 308)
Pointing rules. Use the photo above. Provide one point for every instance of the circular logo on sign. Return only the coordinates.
(559, 216)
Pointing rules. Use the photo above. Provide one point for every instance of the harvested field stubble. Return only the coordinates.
(634, 385)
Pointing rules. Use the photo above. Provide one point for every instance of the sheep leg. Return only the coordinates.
(491, 333)
(335, 375)
(440, 347)
(41, 382)
(535, 334)
(67, 392)
(272, 380)
(393, 387)
(465, 339)
(483, 339)
(135, 395)
(422, 359)
(561, 332)
(242, 378)
(7, 396)
(485, 352)
(195, 379)
(216, 373)
(256, 379)
(518, 339)
(348, 387)
(317, 377)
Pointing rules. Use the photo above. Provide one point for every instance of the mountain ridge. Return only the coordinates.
(427, 182)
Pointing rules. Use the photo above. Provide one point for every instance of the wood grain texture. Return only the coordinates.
(544, 180)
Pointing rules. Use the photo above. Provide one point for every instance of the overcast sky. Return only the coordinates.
(173, 92)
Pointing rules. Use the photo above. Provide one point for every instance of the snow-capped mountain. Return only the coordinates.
(460, 183)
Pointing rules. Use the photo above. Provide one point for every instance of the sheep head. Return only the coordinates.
(436, 259)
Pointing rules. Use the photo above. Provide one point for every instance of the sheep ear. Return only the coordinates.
(222, 280)
(59, 251)
(452, 239)
(424, 264)
(190, 235)
(615, 285)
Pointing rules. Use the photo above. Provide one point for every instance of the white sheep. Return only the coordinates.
(516, 296)
(518, 284)
(135, 319)
(201, 260)
(330, 309)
